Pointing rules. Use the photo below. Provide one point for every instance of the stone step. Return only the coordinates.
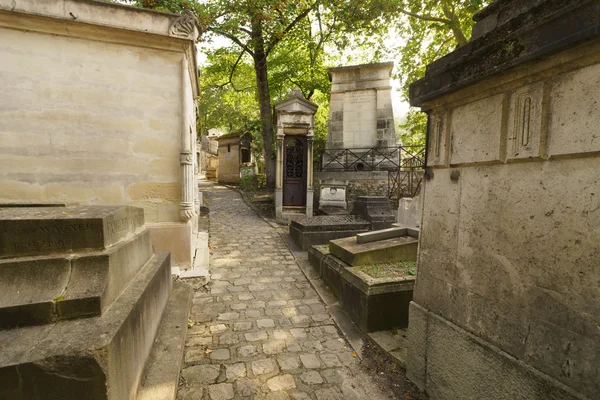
(40, 290)
(390, 250)
(32, 231)
(92, 358)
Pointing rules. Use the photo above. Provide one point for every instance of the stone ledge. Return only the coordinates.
(92, 358)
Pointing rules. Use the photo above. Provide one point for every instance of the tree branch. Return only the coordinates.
(233, 39)
(298, 18)
(425, 17)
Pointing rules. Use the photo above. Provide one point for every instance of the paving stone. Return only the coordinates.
(330, 359)
(242, 326)
(228, 338)
(239, 306)
(311, 378)
(201, 374)
(288, 362)
(279, 334)
(278, 396)
(194, 356)
(310, 361)
(265, 323)
(261, 367)
(234, 371)
(245, 296)
(334, 344)
(228, 316)
(332, 375)
(199, 341)
(218, 328)
(221, 391)
(255, 336)
(220, 354)
(329, 394)
(300, 396)
(247, 387)
(298, 333)
(312, 345)
(281, 382)
(293, 346)
(252, 314)
(247, 351)
(274, 346)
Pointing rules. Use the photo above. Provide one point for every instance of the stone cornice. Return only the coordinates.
(516, 32)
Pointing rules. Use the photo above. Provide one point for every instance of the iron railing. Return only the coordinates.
(407, 180)
(367, 159)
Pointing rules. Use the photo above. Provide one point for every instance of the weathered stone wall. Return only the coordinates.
(229, 162)
(92, 112)
(507, 299)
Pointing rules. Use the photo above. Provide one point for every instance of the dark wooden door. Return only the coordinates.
(294, 171)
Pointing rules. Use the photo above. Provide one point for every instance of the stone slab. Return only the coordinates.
(331, 223)
(30, 231)
(38, 290)
(92, 358)
(161, 377)
(384, 234)
(389, 250)
(376, 210)
(316, 255)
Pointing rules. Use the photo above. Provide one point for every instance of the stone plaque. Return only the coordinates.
(360, 119)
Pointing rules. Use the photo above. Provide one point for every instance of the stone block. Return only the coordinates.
(389, 233)
(525, 120)
(33, 231)
(390, 250)
(316, 255)
(176, 238)
(92, 358)
(323, 228)
(39, 290)
(376, 210)
(476, 130)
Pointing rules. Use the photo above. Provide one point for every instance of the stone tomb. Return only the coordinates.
(332, 195)
(323, 228)
(58, 265)
(375, 209)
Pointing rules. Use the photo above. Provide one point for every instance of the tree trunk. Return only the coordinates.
(264, 101)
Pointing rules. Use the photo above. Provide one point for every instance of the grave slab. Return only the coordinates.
(323, 228)
(390, 250)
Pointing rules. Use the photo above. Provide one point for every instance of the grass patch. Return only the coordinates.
(389, 270)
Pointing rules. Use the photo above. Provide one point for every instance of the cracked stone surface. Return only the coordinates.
(260, 330)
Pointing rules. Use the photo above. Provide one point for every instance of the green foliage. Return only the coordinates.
(429, 30)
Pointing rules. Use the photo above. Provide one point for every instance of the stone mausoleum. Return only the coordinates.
(98, 108)
(235, 150)
(294, 168)
(507, 301)
(361, 141)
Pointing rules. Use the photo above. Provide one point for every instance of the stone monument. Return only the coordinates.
(506, 302)
(81, 298)
(361, 113)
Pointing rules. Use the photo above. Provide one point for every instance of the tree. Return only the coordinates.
(258, 27)
(430, 29)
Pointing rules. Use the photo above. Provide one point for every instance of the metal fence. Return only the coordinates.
(404, 164)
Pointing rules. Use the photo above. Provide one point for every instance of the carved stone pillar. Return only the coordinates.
(309, 173)
(186, 207)
(279, 174)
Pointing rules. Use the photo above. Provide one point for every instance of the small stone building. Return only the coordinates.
(98, 108)
(235, 150)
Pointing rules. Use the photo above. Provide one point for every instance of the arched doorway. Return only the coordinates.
(294, 172)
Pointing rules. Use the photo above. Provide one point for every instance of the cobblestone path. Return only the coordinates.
(261, 331)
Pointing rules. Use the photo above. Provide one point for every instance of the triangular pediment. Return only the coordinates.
(296, 103)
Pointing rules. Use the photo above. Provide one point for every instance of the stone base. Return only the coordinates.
(94, 358)
(372, 304)
(322, 229)
(448, 363)
(161, 377)
(177, 238)
(390, 250)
